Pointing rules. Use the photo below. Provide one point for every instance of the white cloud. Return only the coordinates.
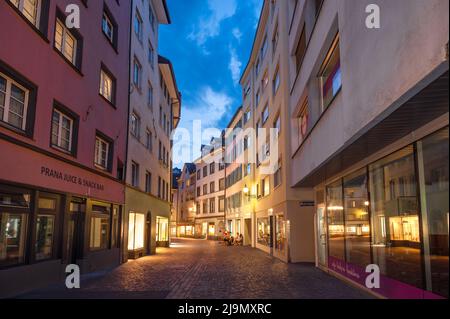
(235, 66)
(237, 34)
(209, 107)
(209, 27)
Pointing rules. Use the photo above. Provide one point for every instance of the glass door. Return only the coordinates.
(73, 248)
(321, 235)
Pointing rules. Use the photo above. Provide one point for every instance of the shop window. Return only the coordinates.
(162, 229)
(264, 231)
(433, 172)
(357, 224)
(12, 235)
(45, 228)
(211, 230)
(335, 212)
(330, 75)
(100, 223)
(395, 219)
(136, 230)
(280, 233)
(115, 228)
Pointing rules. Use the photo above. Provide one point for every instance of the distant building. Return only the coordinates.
(186, 209)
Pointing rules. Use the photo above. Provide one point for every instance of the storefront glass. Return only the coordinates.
(14, 209)
(136, 231)
(280, 241)
(395, 219)
(12, 237)
(264, 231)
(162, 229)
(433, 176)
(357, 224)
(211, 230)
(335, 212)
(45, 225)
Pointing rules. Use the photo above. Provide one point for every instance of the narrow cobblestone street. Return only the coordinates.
(199, 269)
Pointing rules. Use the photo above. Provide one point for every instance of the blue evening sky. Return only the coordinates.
(209, 43)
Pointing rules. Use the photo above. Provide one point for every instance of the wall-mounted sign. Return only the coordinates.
(69, 178)
(307, 203)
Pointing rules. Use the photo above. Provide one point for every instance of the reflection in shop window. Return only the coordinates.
(162, 229)
(12, 237)
(433, 176)
(357, 224)
(335, 212)
(280, 242)
(395, 219)
(264, 231)
(136, 228)
(99, 235)
(45, 225)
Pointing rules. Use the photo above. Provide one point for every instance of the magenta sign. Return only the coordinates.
(389, 288)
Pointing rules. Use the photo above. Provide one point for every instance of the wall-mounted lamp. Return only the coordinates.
(246, 191)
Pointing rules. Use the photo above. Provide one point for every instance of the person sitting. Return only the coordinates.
(239, 239)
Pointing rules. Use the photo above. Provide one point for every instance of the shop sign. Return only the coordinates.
(69, 178)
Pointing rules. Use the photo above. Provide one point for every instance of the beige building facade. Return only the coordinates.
(210, 191)
(186, 206)
(274, 208)
(153, 113)
(369, 137)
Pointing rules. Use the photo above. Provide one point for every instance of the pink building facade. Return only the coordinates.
(63, 134)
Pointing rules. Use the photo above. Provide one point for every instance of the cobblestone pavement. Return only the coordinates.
(199, 269)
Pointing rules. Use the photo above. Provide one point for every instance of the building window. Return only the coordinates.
(257, 98)
(395, 217)
(136, 231)
(257, 66)
(265, 81)
(13, 226)
(265, 114)
(150, 97)
(134, 174)
(221, 184)
(212, 168)
(45, 228)
(357, 223)
(280, 233)
(205, 171)
(162, 229)
(300, 50)
(265, 186)
(275, 39)
(151, 17)
(151, 55)
(336, 227)
(148, 183)
(137, 73)
(277, 175)
(205, 189)
(330, 75)
(434, 172)
(30, 9)
(65, 42)
(135, 125)
(109, 27)
(138, 25)
(62, 131)
(205, 206)
(247, 89)
(303, 122)
(102, 151)
(263, 225)
(212, 187)
(221, 204)
(264, 48)
(199, 172)
(247, 116)
(13, 102)
(212, 205)
(277, 125)
(149, 141)
(107, 85)
(276, 81)
(100, 224)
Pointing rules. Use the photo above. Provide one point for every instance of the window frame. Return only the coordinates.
(65, 111)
